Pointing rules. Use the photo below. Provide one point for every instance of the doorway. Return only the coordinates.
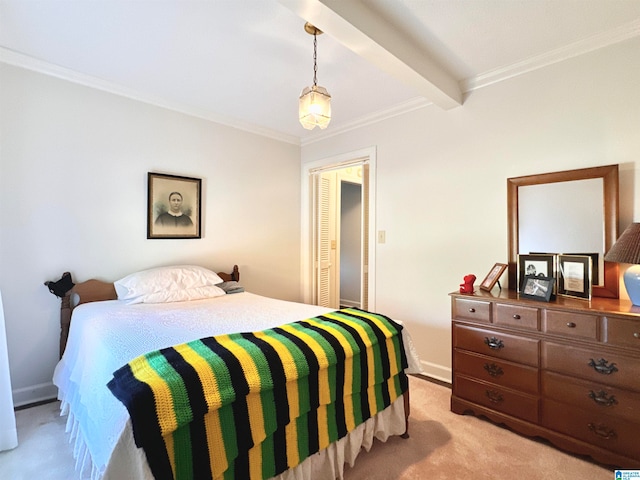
(337, 253)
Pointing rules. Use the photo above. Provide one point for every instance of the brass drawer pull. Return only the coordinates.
(636, 334)
(601, 366)
(603, 398)
(571, 325)
(493, 370)
(603, 431)
(516, 316)
(494, 397)
(493, 343)
(472, 310)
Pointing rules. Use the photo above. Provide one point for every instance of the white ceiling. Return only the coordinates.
(244, 62)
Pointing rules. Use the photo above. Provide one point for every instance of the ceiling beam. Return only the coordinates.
(367, 34)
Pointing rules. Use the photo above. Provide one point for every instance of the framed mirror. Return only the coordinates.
(572, 205)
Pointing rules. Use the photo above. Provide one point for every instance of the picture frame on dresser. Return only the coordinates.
(538, 265)
(538, 288)
(595, 266)
(493, 276)
(575, 276)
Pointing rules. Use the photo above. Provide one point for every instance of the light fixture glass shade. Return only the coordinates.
(314, 107)
(627, 250)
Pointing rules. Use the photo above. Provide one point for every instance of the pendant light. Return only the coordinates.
(315, 101)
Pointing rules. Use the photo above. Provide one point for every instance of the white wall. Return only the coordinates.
(441, 177)
(73, 190)
(73, 165)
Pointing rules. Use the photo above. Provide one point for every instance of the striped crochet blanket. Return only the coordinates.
(252, 405)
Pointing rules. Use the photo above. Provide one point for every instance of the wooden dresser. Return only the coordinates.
(567, 371)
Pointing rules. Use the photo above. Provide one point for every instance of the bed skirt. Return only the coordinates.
(128, 461)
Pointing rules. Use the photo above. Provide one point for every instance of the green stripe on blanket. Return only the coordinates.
(252, 405)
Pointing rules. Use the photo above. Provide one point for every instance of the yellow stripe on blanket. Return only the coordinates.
(205, 374)
(323, 361)
(348, 369)
(144, 372)
(254, 400)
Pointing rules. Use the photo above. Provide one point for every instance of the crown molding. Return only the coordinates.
(595, 42)
(400, 109)
(581, 47)
(17, 59)
(491, 77)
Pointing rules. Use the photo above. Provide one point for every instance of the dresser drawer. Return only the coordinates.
(571, 324)
(500, 372)
(497, 398)
(473, 310)
(590, 396)
(611, 433)
(496, 344)
(517, 316)
(623, 332)
(592, 364)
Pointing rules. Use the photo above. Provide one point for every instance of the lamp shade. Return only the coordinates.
(315, 107)
(627, 247)
(627, 250)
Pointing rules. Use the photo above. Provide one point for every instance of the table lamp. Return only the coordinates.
(627, 250)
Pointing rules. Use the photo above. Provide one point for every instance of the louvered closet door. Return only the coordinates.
(323, 249)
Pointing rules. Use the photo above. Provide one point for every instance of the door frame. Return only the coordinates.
(357, 157)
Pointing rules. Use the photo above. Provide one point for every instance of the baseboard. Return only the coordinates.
(34, 394)
(438, 372)
(349, 303)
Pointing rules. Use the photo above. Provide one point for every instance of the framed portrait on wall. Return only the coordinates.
(173, 206)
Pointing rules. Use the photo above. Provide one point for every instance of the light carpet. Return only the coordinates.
(442, 445)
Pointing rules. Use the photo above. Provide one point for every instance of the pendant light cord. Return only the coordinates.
(315, 58)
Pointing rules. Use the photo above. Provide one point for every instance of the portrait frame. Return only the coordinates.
(493, 276)
(575, 276)
(537, 288)
(184, 222)
(541, 264)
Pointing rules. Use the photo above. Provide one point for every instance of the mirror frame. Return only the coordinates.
(609, 175)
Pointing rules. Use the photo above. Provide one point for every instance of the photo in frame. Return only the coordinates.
(173, 206)
(595, 266)
(493, 276)
(537, 288)
(574, 276)
(536, 265)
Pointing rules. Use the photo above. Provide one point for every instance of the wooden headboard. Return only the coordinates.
(96, 291)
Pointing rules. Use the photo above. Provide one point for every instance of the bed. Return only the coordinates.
(103, 334)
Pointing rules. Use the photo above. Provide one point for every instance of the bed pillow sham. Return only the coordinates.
(162, 284)
(185, 295)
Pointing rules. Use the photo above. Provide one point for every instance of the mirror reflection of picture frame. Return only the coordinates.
(575, 275)
(537, 288)
(537, 265)
(173, 206)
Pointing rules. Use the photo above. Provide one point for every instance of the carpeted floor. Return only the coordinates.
(446, 446)
(442, 445)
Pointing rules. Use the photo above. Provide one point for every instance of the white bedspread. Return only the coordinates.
(106, 335)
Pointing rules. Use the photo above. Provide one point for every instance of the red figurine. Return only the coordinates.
(467, 286)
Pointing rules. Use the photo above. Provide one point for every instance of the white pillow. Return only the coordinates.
(185, 295)
(158, 281)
